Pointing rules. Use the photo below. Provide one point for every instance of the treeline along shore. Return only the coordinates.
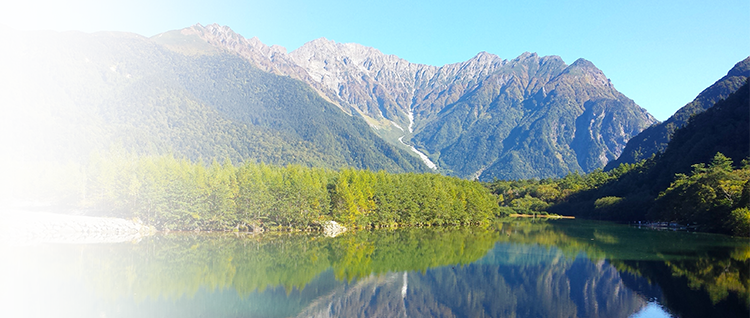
(169, 193)
(176, 194)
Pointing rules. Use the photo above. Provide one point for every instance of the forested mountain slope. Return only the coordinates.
(483, 118)
(35, 127)
(170, 113)
(67, 94)
(655, 138)
(702, 179)
(724, 128)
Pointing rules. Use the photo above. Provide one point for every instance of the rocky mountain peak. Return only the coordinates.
(376, 84)
(224, 37)
(583, 66)
(279, 49)
(486, 86)
(527, 56)
(217, 28)
(484, 57)
(317, 45)
(273, 59)
(350, 54)
(480, 63)
(585, 72)
(583, 63)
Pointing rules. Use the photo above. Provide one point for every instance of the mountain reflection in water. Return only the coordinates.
(516, 268)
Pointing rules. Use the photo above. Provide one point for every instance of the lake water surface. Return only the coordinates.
(518, 268)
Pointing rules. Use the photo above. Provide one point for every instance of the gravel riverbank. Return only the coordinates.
(19, 227)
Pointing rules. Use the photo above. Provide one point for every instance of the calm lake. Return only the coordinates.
(518, 268)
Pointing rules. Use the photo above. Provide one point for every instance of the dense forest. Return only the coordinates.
(177, 194)
(701, 181)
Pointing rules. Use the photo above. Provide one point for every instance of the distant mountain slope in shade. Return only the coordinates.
(530, 117)
(724, 127)
(67, 94)
(32, 125)
(655, 138)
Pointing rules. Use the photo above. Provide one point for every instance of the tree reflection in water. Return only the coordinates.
(515, 268)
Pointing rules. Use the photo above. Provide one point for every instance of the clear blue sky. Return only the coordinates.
(659, 53)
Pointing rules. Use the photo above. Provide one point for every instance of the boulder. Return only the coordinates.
(333, 228)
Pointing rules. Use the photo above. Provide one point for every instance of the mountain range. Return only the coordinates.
(66, 95)
(205, 92)
(530, 117)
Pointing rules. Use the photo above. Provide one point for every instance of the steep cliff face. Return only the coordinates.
(378, 85)
(487, 117)
(386, 86)
(530, 117)
(577, 121)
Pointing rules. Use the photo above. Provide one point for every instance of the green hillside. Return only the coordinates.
(241, 92)
(33, 123)
(171, 114)
(69, 94)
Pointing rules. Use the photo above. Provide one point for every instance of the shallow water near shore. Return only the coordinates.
(522, 268)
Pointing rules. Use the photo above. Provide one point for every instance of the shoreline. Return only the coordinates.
(19, 226)
(548, 216)
(23, 227)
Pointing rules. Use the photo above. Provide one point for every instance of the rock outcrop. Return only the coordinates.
(333, 228)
